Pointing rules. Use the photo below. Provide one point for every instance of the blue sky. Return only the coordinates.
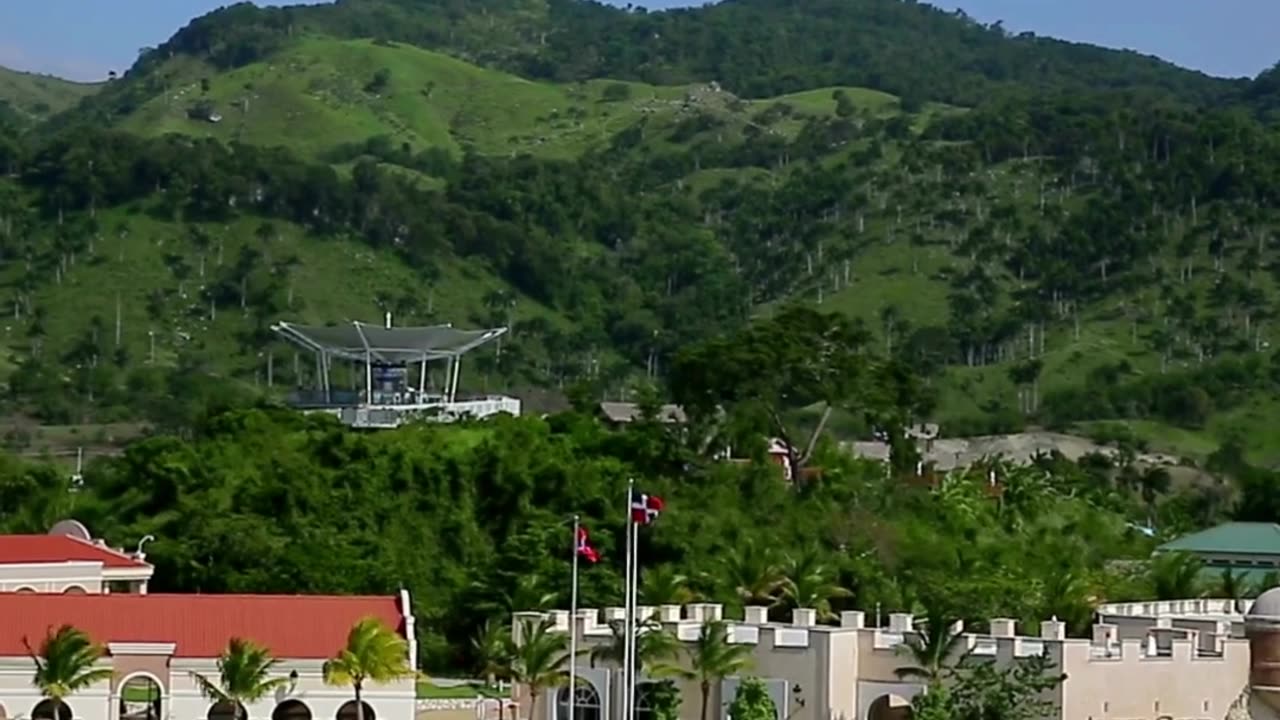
(83, 39)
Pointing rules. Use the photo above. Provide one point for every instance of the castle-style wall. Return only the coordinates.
(837, 672)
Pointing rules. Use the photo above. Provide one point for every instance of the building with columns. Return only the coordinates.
(154, 642)
(1171, 667)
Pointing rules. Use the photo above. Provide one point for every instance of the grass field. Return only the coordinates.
(39, 96)
(323, 93)
(428, 690)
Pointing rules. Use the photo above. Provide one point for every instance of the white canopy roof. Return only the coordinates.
(361, 341)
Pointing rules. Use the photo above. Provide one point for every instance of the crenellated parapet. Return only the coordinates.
(1182, 659)
(1160, 639)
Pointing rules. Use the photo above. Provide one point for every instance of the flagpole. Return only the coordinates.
(628, 637)
(635, 619)
(573, 619)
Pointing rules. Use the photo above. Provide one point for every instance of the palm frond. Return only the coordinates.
(209, 689)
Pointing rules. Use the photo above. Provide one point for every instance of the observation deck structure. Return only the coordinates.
(388, 356)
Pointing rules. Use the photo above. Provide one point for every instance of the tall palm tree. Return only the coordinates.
(1266, 582)
(931, 648)
(809, 583)
(712, 658)
(663, 585)
(244, 676)
(373, 653)
(538, 659)
(654, 644)
(1175, 576)
(750, 571)
(1232, 587)
(1154, 482)
(492, 651)
(65, 664)
(1067, 595)
(496, 596)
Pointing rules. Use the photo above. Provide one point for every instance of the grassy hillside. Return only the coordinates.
(321, 94)
(1014, 253)
(35, 97)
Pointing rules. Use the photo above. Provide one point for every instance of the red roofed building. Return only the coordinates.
(155, 641)
(69, 560)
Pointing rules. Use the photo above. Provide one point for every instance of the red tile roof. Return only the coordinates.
(291, 626)
(16, 549)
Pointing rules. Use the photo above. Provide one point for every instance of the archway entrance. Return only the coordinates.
(140, 699)
(890, 707)
(291, 710)
(348, 711)
(586, 704)
(44, 710)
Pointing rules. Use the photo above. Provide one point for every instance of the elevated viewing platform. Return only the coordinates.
(383, 355)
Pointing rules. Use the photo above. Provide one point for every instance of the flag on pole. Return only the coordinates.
(588, 553)
(645, 508)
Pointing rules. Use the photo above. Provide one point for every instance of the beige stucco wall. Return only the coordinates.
(841, 671)
(1133, 685)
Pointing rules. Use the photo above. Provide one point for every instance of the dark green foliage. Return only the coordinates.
(616, 92)
(380, 82)
(268, 501)
(984, 690)
(752, 702)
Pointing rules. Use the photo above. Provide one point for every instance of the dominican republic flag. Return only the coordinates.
(645, 508)
(584, 547)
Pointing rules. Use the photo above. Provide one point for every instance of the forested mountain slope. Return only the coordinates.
(1046, 232)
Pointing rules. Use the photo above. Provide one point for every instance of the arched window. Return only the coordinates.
(291, 710)
(140, 698)
(586, 704)
(645, 705)
(225, 710)
(889, 707)
(45, 711)
(348, 711)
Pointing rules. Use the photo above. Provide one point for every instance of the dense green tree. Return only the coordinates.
(752, 701)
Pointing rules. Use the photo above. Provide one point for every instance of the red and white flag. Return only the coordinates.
(584, 547)
(645, 508)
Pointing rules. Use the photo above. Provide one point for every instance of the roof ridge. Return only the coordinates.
(105, 548)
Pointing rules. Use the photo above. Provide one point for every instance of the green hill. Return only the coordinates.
(33, 97)
(321, 94)
(756, 48)
(1094, 248)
